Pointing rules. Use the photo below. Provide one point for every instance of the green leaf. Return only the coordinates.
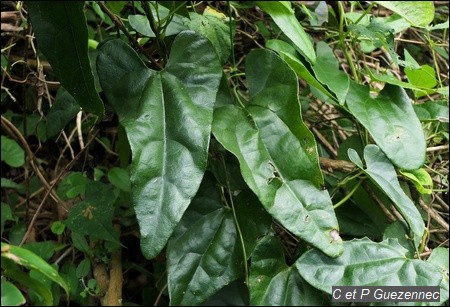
(277, 153)
(417, 13)
(72, 186)
(120, 178)
(93, 216)
(354, 221)
(80, 242)
(382, 173)
(6, 215)
(167, 116)
(284, 17)
(45, 249)
(390, 79)
(7, 183)
(432, 110)
(288, 54)
(439, 257)
(11, 295)
(63, 110)
(366, 263)
(26, 281)
(58, 227)
(425, 77)
(30, 260)
(176, 7)
(61, 33)
(214, 29)
(399, 230)
(273, 283)
(83, 268)
(142, 25)
(421, 179)
(235, 294)
(204, 253)
(327, 71)
(116, 6)
(391, 121)
(253, 219)
(12, 153)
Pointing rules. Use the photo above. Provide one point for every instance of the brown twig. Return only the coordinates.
(50, 190)
(339, 165)
(386, 211)
(15, 133)
(434, 215)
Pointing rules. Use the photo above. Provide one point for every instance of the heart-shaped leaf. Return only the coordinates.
(204, 253)
(277, 153)
(167, 116)
(391, 121)
(274, 283)
(367, 263)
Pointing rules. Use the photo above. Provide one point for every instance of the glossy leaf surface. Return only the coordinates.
(382, 173)
(61, 32)
(29, 260)
(273, 283)
(288, 54)
(367, 263)
(285, 19)
(167, 116)
(277, 153)
(391, 121)
(204, 253)
(214, 29)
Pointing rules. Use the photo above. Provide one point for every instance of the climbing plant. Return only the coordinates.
(237, 153)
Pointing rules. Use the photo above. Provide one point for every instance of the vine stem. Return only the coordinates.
(343, 200)
(342, 43)
(238, 228)
(119, 24)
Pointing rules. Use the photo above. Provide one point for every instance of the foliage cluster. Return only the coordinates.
(222, 153)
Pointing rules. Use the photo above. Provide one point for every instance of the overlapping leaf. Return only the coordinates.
(204, 253)
(391, 121)
(213, 28)
(283, 15)
(288, 54)
(273, 283)
(62, 36)
(167, 116)
(30, 260)
(327, 71)
(277, 153)
(383, 174)
(367, 263)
